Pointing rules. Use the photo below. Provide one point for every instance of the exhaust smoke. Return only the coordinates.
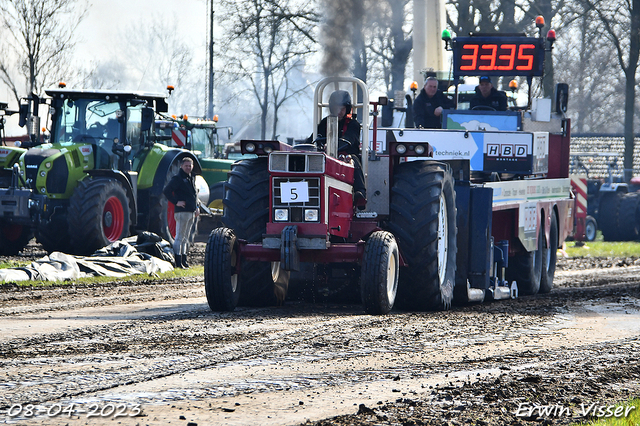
(336, 34)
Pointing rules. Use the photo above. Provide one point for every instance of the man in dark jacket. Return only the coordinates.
(488, 97)
(348, 129)
(428, 106)
(181, 191)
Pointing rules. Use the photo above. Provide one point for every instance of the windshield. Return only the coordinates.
(202, 140)
(87, 121)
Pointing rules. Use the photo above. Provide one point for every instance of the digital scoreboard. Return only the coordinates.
(510, 56)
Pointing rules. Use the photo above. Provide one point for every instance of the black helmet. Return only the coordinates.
(338, 99)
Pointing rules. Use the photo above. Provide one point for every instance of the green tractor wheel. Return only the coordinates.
(13, 238)
(54, 235)
(99, 214)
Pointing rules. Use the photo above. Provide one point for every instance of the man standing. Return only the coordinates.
(181, 191)
(428, 106)
(487, 97)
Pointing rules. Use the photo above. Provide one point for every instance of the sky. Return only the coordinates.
(106, 18)
(97, 35)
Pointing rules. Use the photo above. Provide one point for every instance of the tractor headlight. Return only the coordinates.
(281, 215)
(268, 149)
(250, 147)
(401, 149)
(310, 215)
(419, 149)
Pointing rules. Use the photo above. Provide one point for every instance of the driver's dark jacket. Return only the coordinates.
(182, 187)
(424, 107)
(348, 129)
(497, 100)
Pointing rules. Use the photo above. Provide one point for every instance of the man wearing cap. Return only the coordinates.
(487, 97)
(428, 106)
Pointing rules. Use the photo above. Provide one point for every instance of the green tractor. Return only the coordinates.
(99, 177)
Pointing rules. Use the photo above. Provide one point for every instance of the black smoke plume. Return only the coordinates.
(336, 34)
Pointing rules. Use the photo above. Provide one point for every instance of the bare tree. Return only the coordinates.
(395, 44)
(161, 59)
(157, 59)
(621, 23)
(388, 41)
(267, 41)
(588, 64)
(38, 41)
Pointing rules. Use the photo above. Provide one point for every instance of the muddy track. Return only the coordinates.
(158, 347)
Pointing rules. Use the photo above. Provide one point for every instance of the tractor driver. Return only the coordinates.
(487, 97)
(349, 130)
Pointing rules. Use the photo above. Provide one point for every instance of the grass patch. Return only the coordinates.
(14, 264)
(603, 249)
(194, 271)
(632, 420)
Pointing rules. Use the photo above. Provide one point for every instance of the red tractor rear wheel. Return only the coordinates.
(423, 221)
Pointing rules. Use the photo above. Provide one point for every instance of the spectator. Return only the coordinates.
(181, 191)
(428, 106)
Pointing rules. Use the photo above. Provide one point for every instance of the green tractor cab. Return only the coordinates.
(99, 177)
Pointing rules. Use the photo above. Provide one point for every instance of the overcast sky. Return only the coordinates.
(97, 35)
(106, 18)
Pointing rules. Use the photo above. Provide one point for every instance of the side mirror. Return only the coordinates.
(147, 119)
(24, 113)
(562, 97)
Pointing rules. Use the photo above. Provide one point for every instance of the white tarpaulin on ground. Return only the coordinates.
(116, 260)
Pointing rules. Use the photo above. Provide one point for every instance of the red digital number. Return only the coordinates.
(491, 57)
(524, 57)
(510, 58)
(473, 57)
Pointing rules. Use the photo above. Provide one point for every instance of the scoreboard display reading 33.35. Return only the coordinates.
(489, 55)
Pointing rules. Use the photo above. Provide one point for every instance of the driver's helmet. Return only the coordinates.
(337, 100)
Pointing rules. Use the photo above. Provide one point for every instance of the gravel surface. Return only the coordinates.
(153, 353)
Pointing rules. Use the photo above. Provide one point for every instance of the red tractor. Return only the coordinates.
(293, 205)
(474, 211)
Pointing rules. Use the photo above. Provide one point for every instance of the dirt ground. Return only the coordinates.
(154, 354)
